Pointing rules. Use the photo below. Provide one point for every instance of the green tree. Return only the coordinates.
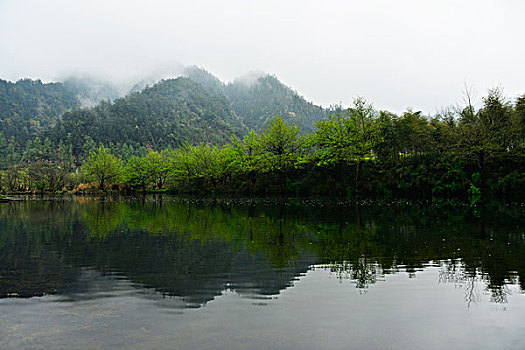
(3, 148)
(279, 146)
(243, 158)
(46, 176)
(160, 165)
(139, 172)
(103, 168)
(349, 136)
(151, 168)
(12, 178)
(414, 133)
(518, 124)
(484, 134)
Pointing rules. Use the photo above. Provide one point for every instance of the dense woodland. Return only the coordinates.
(258, 99)
(29, 106)
(191, 135)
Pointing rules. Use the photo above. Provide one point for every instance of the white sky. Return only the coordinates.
(395, 53)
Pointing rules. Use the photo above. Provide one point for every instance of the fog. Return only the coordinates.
(397, 54)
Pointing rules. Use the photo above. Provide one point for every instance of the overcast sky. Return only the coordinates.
(397, 54)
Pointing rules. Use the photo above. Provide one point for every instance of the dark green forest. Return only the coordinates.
(197, 135)
(166, 114)
(259, 99)
(28, 107)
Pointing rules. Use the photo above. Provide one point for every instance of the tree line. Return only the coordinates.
(467, 153)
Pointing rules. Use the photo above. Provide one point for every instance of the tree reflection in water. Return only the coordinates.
(196, 249)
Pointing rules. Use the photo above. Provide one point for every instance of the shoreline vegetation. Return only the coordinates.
(356, 153)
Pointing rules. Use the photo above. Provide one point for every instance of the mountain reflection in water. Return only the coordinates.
(194, 250)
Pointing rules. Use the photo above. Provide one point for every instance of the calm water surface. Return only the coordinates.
(168, 273)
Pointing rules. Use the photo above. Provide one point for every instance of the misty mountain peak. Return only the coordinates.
(250, 78)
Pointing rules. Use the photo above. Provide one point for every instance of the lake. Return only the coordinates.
(172, 273)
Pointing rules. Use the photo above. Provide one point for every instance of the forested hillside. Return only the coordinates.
(206, 79)
(29, 106)
(259, 99)
(165, 115)
(91, 91)
(35, 117)
(258, 102)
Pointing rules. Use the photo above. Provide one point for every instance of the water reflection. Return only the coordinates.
(194, 250)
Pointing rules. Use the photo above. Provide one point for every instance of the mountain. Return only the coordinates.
(258, 97)
(255, 97)
(77, 114)
(29, 106)
(90, 91)
(206, 79)
(257, 100)
(167, 114)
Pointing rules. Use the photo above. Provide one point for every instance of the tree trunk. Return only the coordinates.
(281, 180)
(482, 186)
(357, 179)
(343, 169)
(252, 178)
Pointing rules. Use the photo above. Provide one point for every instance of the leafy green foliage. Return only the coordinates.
(414, 133)
(278, 146)
(151, 169)
(349, 135)
(103, 168)
(47, 176)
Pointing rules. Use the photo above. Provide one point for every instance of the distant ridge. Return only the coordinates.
(258, 97)
(196, 107)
